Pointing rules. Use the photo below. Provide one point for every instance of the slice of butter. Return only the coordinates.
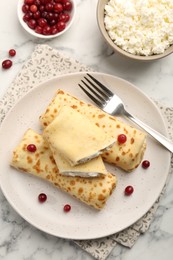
(75, 137)
(92, 168)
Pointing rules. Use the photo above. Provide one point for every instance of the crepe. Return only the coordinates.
(92, 191)
(92, 168)
(126, 156)
(75, 137)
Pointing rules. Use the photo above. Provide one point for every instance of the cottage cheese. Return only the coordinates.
(142, 27)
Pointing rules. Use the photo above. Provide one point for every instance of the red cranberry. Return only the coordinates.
(44, 14)
(67, 208)
(25, 8)
(12, 52)
(47, 30)
(52, 22)
(67, 17)
(58, 8)
(128, 190)
(122, 138)
(33, 8)
(42, 197)
(37, 15)
(6, 64)
(42, 22)
(37, 2)
(50, 16)
(32, 23)
(56, 16)
(64, 1)
(42, 8)
(60, 26)
(26, 17)
(62, 17)
(29, 2)
(49, 7)
(67, 6)
(30, 14)
(39, 29)
(145, 164)
(54, 30)
(31, 148)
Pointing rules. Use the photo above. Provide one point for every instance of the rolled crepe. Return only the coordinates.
(92, 168)
(75, 137)
(126, 156)
(92, 191)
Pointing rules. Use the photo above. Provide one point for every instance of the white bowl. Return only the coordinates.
(33, 33)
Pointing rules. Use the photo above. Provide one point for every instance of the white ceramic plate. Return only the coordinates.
(82, 222)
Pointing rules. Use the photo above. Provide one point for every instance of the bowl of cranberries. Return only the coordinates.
(46, 18)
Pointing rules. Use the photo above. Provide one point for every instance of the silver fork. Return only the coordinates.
(113, 105)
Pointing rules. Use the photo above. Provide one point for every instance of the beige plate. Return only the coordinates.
(82, 222)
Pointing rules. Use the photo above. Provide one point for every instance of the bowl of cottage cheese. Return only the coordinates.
(138, 29)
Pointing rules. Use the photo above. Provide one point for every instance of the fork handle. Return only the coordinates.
(156, 135)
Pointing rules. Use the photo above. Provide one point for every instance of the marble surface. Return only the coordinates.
(18, 239)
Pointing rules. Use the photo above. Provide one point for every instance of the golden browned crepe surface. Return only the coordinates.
(126, 156)
(76, 137)
(92, 191)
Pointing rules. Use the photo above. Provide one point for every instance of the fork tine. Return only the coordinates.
(95, 90)
(91, 96)
(102, 98)
(100, 93)
(107, 91)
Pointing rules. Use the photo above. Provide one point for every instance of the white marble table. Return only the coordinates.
(18, 239)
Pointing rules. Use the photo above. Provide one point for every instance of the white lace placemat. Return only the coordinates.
(46, 63)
